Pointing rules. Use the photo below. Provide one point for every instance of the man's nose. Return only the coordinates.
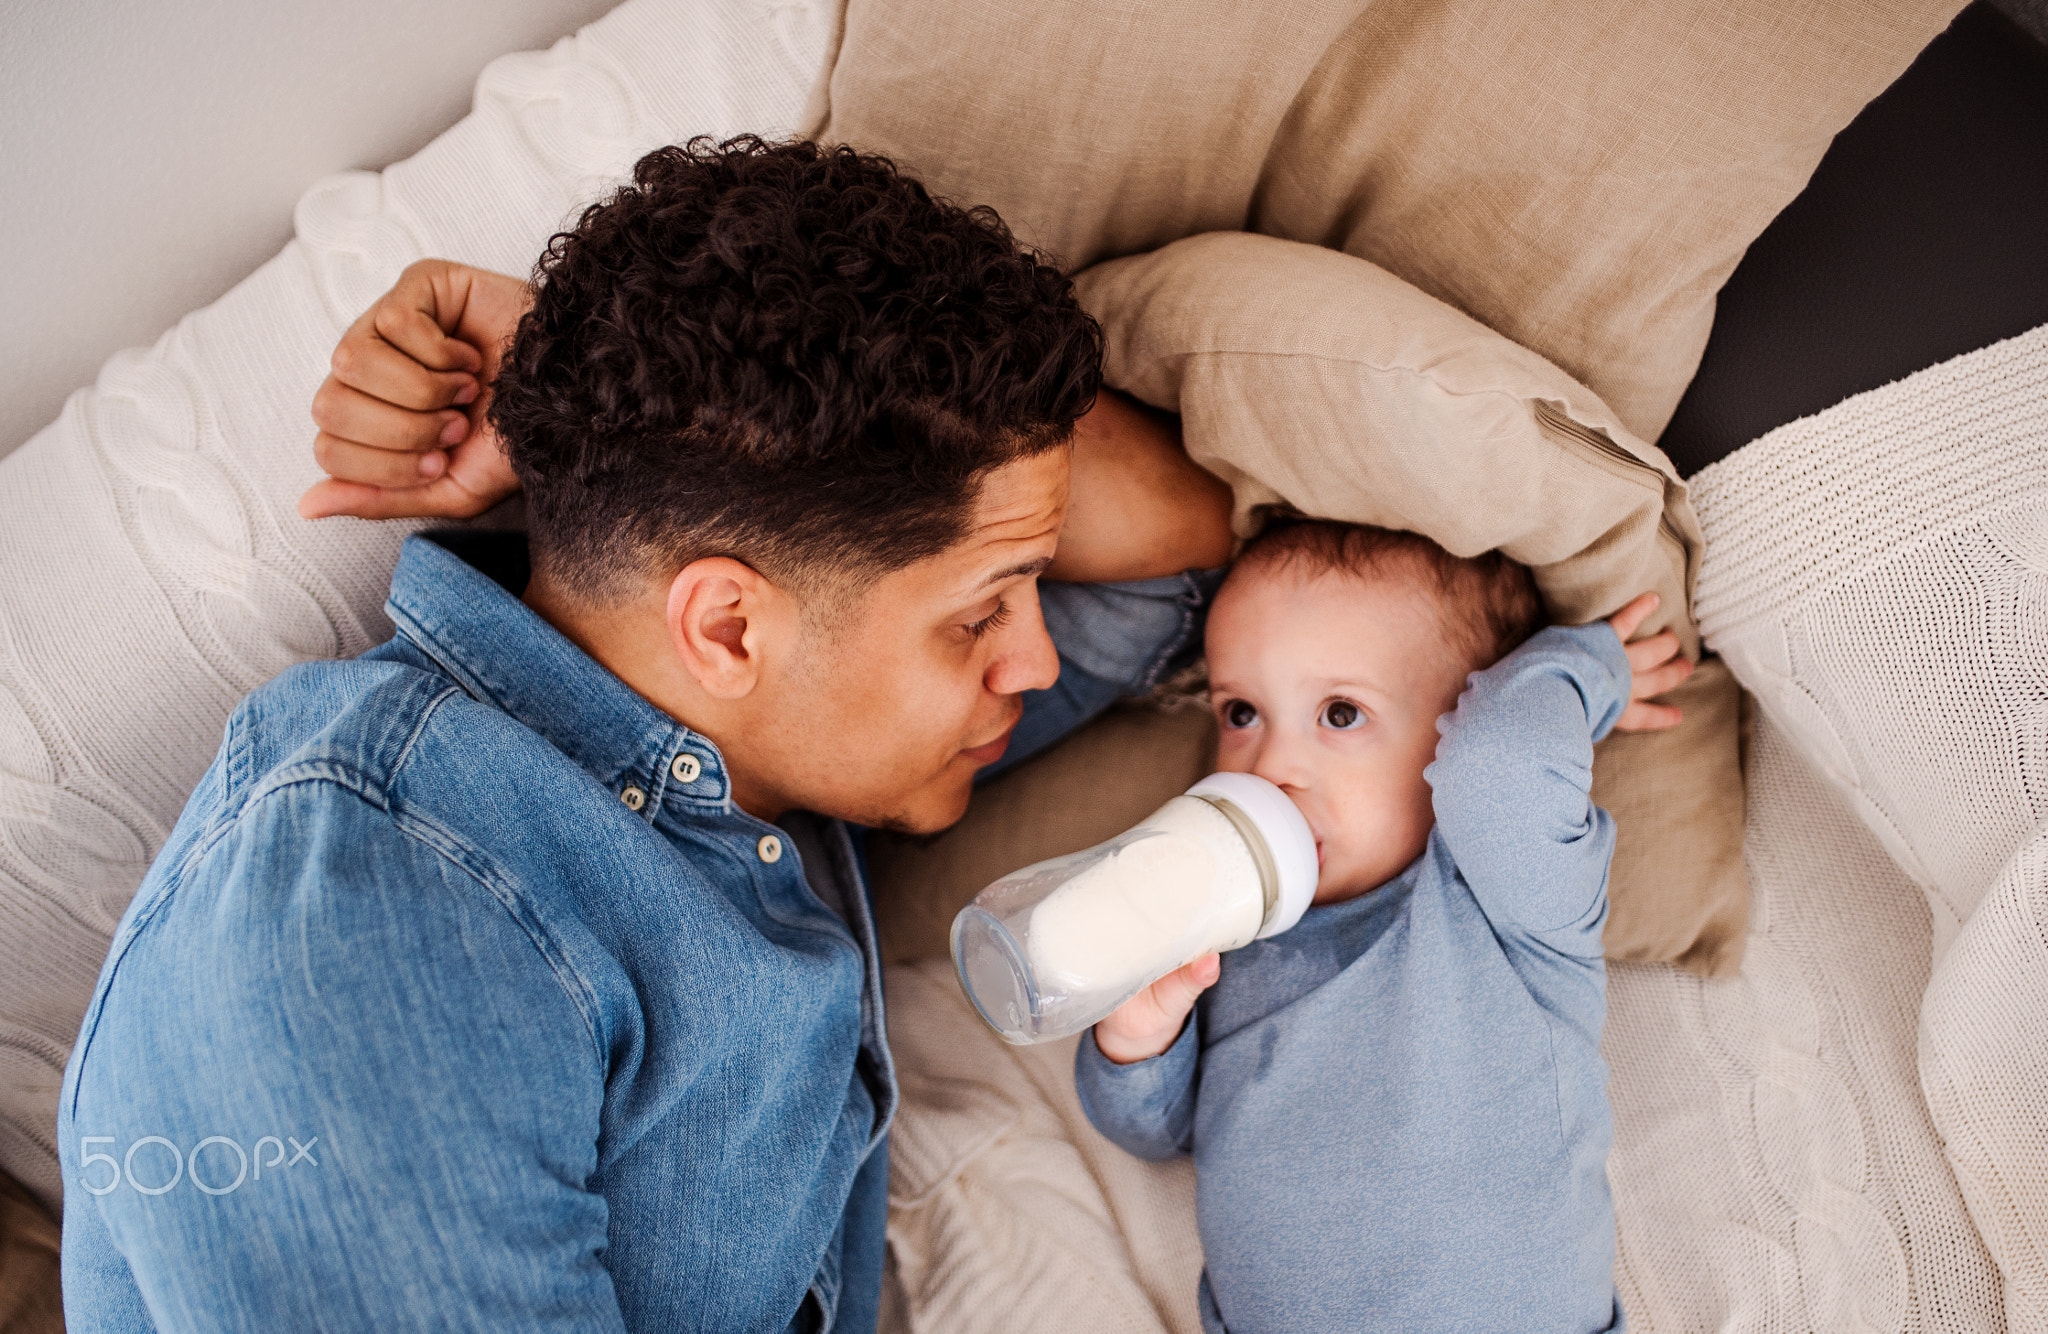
(1027, 660)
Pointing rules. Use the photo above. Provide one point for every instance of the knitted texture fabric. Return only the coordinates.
(152, 567)
(1881, 586)
(1984, 1067)
(1774, 1167)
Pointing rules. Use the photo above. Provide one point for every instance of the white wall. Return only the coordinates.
(151, 150)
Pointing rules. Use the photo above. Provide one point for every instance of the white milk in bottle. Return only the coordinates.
(1048, 950)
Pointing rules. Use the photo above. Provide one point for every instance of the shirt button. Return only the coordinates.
(634, 797)
(770, 848)
(686, 768)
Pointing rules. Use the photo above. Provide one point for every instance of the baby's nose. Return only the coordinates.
(1284, 766)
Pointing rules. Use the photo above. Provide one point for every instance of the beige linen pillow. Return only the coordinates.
(1581, 175)
(1310, 379)
(1094, 129)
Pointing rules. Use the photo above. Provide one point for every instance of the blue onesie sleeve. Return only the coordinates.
(1146, 1108)
(1513, 778)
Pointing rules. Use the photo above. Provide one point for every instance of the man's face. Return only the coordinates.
(891, 704)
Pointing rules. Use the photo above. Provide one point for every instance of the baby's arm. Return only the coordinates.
(1135, 1071)
(1514, 770)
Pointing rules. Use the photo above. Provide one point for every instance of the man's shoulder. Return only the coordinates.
(355, 710)
(372, 727)
(376, 809)
(334, 768)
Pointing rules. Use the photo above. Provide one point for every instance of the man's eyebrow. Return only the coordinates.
(1028, 567)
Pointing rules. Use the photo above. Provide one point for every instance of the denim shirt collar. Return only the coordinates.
(478, 631)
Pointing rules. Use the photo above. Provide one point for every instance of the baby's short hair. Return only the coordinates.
(1488, 602)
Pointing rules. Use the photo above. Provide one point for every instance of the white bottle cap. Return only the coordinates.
(1288, 838)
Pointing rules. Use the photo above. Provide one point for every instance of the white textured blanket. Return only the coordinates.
(1878, 576)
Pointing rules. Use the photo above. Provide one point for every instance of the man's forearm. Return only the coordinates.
(1139, 507)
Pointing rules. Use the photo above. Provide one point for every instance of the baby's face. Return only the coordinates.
(1330, 686)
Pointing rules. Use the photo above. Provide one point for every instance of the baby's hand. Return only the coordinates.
(1655, 665)
(1147, 1023)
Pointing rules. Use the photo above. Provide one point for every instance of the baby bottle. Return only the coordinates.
(1048, 950)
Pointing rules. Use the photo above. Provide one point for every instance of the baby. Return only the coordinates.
(1398, 1109)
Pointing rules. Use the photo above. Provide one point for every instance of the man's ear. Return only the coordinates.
(723, 619)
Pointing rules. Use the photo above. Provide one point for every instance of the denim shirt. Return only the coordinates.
(462, 995)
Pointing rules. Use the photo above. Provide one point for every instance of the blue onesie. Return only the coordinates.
(1398, 1109)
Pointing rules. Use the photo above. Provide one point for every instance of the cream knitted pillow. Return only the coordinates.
(152, 567)
(1888, 606)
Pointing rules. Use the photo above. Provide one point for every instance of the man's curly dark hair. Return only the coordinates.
(785, 353)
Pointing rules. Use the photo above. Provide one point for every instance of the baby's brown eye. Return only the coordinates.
(1342, 714)
(1239, 713)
